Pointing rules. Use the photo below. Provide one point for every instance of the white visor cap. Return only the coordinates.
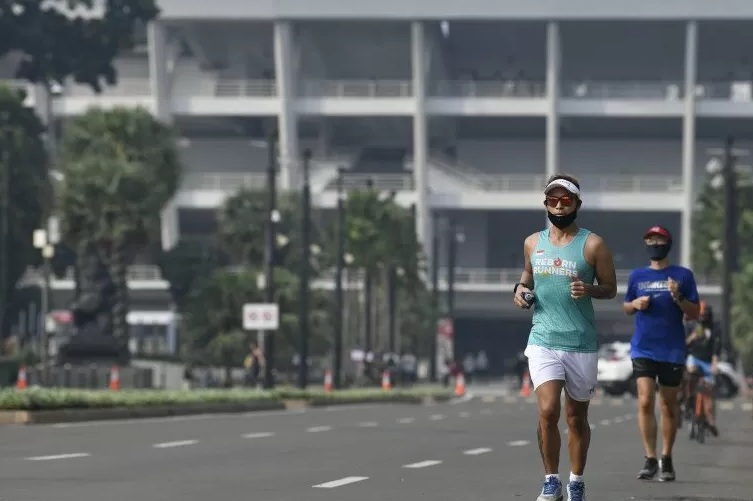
(562, 183)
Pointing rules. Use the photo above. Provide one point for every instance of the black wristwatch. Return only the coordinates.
(515, 288)
(680, 299)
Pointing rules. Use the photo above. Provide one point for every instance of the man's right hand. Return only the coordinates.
(641, 303)
(519, 301)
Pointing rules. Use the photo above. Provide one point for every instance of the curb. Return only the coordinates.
(28, 417)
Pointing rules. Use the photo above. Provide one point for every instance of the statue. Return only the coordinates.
(93, 341)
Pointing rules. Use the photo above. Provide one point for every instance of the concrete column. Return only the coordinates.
(420, 133)
(552, 89)
(159, 80)
(284, 46)
(688, 142)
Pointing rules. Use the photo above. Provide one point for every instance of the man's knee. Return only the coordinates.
(646, 397)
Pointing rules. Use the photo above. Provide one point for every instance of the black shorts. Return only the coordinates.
(667, 373)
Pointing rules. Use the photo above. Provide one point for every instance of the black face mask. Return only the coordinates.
(658, 252)
(562, 221)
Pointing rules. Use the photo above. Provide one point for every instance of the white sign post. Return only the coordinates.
(261, 317)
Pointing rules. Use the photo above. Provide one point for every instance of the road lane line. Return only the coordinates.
(58, 456)
(464, 414)
(262, 434)
(340, 482)
(423, 464)
(437, 417)
(368, 424)
(317, 429)
(486, 412)
(178, 443)
(476, 452)
(605, 422)
(518, 443)
(406, 420)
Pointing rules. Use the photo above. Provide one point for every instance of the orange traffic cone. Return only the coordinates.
(525, 390)
(386, 384)
(460, 385)
(21, 381)
(327, 380)
(115, 378)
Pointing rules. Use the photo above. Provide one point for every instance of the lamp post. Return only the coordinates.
(44, 241)
(273, 217)
(434, 295)
(303, 321)
(339, 302)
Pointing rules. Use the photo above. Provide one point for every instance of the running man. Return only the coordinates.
(659, 296)
(561, 264)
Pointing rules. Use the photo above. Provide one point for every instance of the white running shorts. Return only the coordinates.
(577, 370)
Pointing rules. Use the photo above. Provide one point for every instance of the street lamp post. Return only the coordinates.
(44, 241)
(339, 303)
(434, 295)
(273, 217)
(305, 266)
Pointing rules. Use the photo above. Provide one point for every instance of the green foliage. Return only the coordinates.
(21, 144)
(242, 229)
(52, 399)
(708, 227)
(213, 310)
(55, 45)
(187, 264)
(121, 167)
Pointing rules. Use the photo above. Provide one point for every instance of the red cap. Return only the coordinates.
(658, 230)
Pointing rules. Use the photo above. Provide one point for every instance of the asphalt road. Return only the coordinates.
(477, 449)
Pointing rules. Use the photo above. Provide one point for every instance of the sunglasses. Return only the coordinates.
(565, 200)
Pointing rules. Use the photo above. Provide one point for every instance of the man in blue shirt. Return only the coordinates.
(659, 296)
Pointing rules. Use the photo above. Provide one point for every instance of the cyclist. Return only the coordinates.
(704, 348)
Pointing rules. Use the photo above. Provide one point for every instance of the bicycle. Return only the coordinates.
(698, 423)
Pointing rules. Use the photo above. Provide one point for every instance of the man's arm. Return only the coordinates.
(606, 277)
(527, 276)
(689, 302)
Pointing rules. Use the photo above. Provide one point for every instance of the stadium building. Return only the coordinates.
(463, 108)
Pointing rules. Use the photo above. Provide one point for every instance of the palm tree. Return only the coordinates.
(120, 167)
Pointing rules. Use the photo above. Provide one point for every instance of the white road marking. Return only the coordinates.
(604, 422)
(518, 443)
(178, 443)
(747, 406)
(340, 482)
(59, 456)
(436, 417)
(406, 420)
(476, 452)
(597, 402)
(726, 406)
(488, 398)
(486, 412)
(368, 424)
(317, 429)
(464, 414)
(262, 434)
(423, 464)
(616, 403)
(618, 419)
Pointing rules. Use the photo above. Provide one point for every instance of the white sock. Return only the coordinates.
(552, 475)
(576, 478)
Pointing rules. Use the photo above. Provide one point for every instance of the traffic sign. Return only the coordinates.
(261, 317)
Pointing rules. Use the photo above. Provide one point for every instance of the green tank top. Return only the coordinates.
(559, 321)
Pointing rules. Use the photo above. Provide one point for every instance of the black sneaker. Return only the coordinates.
(667, 469)
(649, 469)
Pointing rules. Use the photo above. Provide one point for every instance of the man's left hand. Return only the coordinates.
(714, 368)
(578, 288)
(674, 288)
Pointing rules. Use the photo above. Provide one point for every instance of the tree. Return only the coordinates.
(742, 314)
(71, 38)
(120, 168)
(380, 235)
(212, 318)
(187, 264)
(242, 229)
(25, 183)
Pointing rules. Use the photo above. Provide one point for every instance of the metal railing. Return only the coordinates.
(356, 88)
(488, 89)
(669, 91)
(229, 182)
(238, 87)
(126, 87)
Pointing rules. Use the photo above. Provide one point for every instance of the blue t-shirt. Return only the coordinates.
(659, 330)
